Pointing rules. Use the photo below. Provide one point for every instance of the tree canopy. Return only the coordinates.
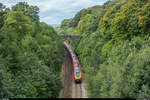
(31, 54)
(114, 48)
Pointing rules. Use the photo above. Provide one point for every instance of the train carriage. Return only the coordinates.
(76, 64)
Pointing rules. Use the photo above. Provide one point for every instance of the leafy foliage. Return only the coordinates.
(31, 55)
(31, 11)
(114, 48)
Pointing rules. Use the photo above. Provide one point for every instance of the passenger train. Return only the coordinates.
(76, 64)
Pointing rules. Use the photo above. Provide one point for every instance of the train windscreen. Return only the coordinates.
(78, 74)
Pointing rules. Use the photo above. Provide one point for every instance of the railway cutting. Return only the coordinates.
(71, 88)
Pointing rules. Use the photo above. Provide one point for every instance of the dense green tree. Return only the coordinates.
(31, 11)
(3, 11)
(65, 23)
(19, 23)
(31, 56)
(114, 47)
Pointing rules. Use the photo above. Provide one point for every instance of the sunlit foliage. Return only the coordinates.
(114, 48)
(31, 55)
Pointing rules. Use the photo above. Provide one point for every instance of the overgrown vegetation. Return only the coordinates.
(31, 54)
(114, 48)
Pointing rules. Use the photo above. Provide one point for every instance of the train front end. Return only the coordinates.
(77, 76)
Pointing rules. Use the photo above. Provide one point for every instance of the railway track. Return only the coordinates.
(71, 89)
(78, 91)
